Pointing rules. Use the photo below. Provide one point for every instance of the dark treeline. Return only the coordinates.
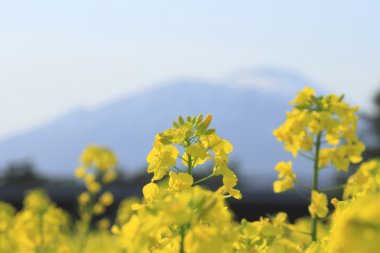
(373, 134)
(18, 178)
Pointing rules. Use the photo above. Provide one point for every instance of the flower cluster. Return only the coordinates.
(194, 143)
(365, 180)
(286, 176)
(355, 225)
(195, 219)
(322, 129)
(39, 227)
(98, 166)
(97, 169)
(327, 119)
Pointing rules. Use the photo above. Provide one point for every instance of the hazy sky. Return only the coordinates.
(59, 55)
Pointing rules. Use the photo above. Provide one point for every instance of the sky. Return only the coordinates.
(56, 56)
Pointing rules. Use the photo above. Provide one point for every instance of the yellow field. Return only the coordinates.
(177, 214)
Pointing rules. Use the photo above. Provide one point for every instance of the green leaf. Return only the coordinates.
(210, 131)
(180, 120)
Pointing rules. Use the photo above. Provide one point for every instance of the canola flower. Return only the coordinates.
(39, 227)
(356, 225)
(177, 214)
(286, 176)
(198, 144)
(193, 220)
(98, 168)
(365, 180)
(322, 129)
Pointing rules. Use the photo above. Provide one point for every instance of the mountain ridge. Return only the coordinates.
(244, 116)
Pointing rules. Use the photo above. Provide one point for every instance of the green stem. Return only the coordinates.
(40, 247)
(86, 219)
(315, 184)
(306, 156)
(203, 179)
(183, 159)
(189, 165)
(189, 160)
(177, 169)
(182, 242)
(302, 184)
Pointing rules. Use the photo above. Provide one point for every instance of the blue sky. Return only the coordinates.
(56, 56)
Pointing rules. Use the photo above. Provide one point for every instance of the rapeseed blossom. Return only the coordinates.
(286, 175)
(323, 130)
(198, 143)
(329, 117)
(318, 205)
(365, 180)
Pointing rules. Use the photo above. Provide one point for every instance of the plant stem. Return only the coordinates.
(189, 160)
(203, 179)
(189, 165)
(86, 223)
(306, 156)
(302, 184)
(182, 242)
(315, 184)
(177, 169)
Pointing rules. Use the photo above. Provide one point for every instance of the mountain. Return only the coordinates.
(246, 108)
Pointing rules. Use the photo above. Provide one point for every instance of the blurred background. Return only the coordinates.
(115, 73)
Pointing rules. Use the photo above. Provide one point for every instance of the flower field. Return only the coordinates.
(177, 214)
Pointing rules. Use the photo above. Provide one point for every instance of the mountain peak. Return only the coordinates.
(271, 80)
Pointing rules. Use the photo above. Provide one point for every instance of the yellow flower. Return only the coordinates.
(216, 144)
(176, 135)
(327, 118)
(161, 158)
(198, 153)
(285, 169)
(98, 157)
(37, 200)
(325, 156)
(304, 96)
(229, 182)
(106, 199)
(286, 175)
(283, 185)
(180, 181)
(103, 224)
(318, 205)
(88, 178)
(109, 177)
(334, 202)
(93, 186)
(98, 209)
(84, 198)
(150, 191)
(80, 172)
(125, 211)
(365, 180)
(355, 226)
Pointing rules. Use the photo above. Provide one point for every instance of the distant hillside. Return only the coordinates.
(246, 107)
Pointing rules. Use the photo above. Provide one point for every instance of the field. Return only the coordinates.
(178, 214)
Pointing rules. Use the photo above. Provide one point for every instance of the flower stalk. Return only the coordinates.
(314, 223)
